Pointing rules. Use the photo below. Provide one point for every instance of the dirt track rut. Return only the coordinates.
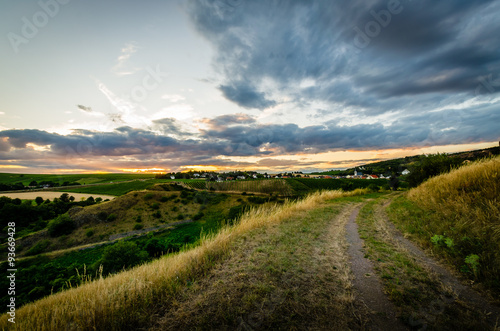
(366, 283)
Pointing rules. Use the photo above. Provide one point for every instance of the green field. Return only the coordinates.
(114, 189)
(26, 179)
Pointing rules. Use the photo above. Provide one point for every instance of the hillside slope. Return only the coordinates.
(132, 298)
(457, 216)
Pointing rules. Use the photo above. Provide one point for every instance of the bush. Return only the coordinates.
(198, 216)
(138, 226)
(111, 218)
(148, 196)
(89, 233)
(40, 247)
(102, 215)
(122, 255)
(62, 224)
(373, 187)
(155, 206)
(431, 165)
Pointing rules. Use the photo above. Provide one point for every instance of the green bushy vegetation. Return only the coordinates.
(31, 217)
(61, 225)
(427, 166)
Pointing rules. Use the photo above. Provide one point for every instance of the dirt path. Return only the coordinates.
(461, 291)
(294, 276)
(367, 284)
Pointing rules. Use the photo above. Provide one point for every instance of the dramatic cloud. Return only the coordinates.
(368, 57)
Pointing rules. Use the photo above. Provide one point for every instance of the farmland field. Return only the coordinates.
(26, 179)
(51, 195)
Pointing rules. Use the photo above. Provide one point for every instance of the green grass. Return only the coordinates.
(114, 189)
(408, 284)
(8, 178)
(457, 216)
(305, 185)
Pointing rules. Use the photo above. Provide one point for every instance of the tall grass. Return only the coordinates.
(131, 299)
(465, 208)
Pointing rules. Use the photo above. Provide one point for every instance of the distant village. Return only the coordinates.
(245, 175)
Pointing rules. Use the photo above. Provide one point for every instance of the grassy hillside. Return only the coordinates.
(457, 215)
(398, 165)
(130, 299)
(158, 222)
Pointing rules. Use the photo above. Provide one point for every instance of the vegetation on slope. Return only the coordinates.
(457, 215)
(131, 298)
(155, 222)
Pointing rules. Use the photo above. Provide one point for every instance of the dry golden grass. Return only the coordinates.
(467, 197)
(129, 299)
(464, 206)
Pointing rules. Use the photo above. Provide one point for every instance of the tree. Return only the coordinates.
(431, 165)
(122, 255)
(64, 197)
(39, 200)
(33, 183)
(62, 224)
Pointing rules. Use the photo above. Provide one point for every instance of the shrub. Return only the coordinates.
(62, 224)
(431, 165)
(180, 217)
(89, 233)
(123, 254)
(138, 226)
(148, 196)
(102, 215)
(163, 199)
(198, 216)
(38, 248)
(111, 218)
(155, 206)
(373, 187)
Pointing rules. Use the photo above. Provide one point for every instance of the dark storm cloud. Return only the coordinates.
(246, 95)
(373, 55)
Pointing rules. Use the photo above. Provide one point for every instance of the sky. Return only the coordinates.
(266, 85)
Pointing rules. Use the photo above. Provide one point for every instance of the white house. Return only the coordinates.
(406, 172)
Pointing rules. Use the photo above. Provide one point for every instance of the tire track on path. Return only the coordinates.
(367, 284)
